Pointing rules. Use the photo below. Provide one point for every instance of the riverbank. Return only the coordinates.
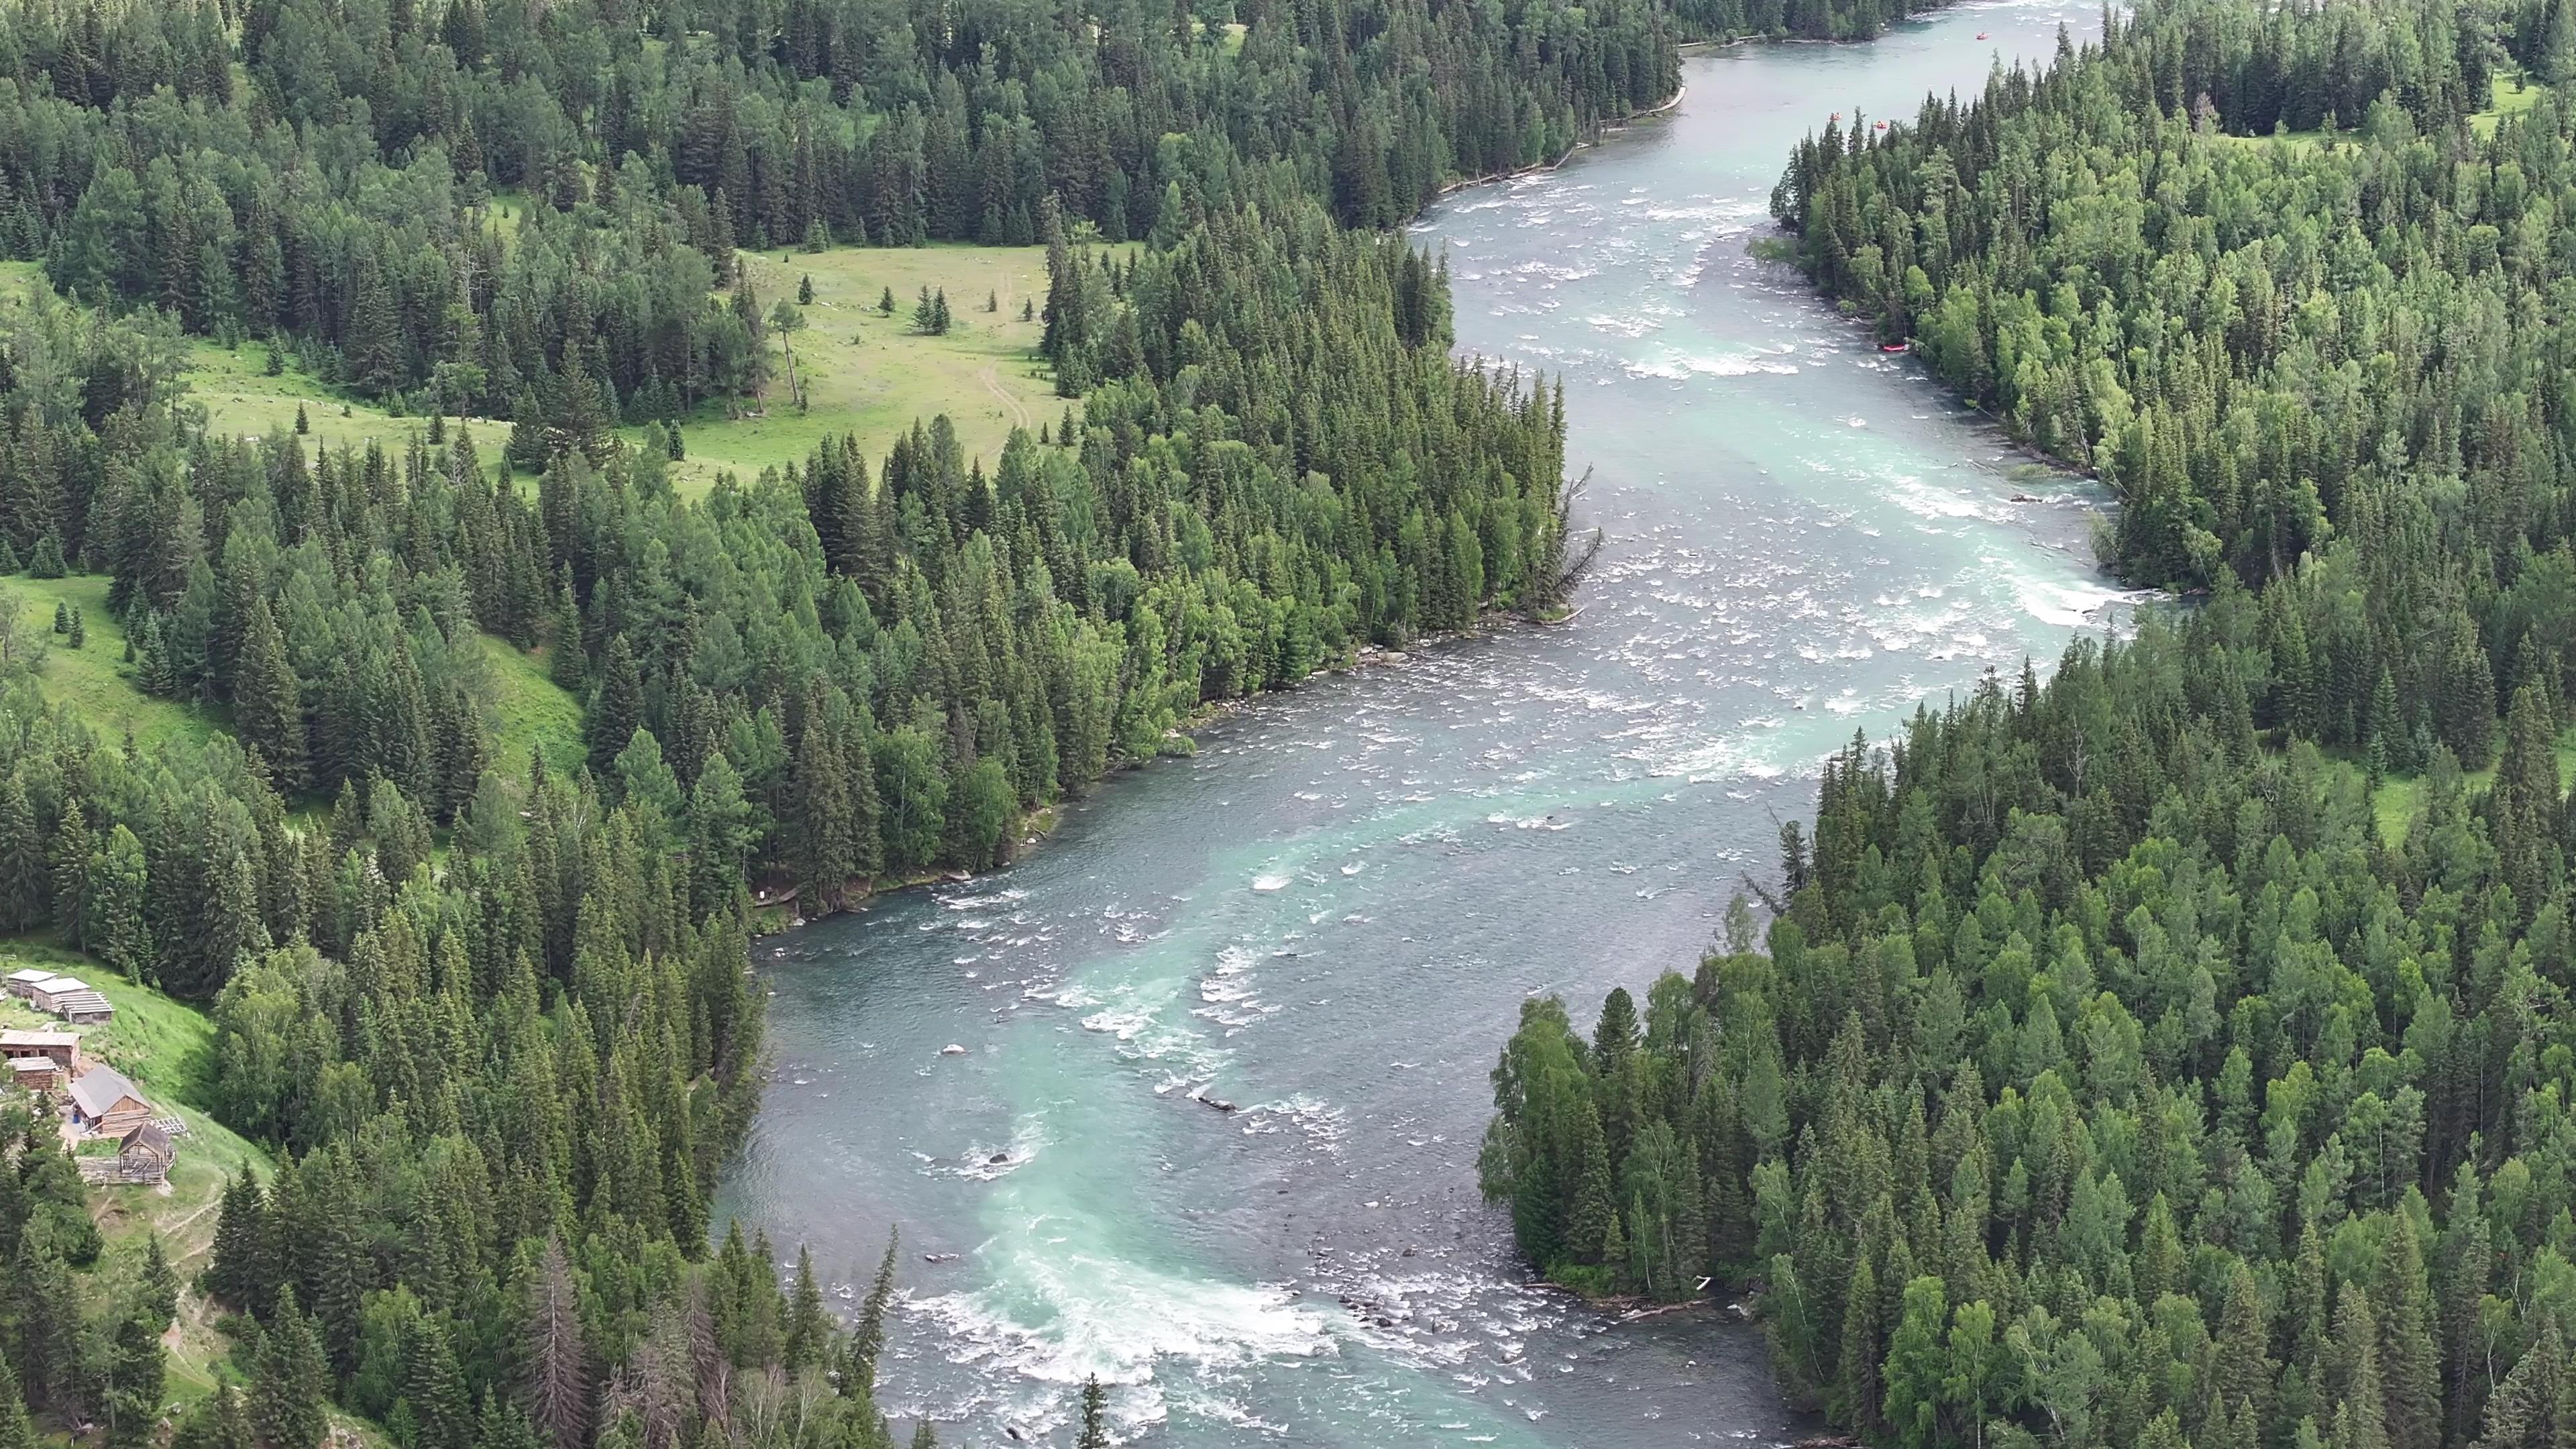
(773, 912)
(1332, 915)
(1607, 128)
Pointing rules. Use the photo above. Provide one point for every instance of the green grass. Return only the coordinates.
(2400, 796)
(92, 679)
(870, 375)
(864, 374)
(167, 1049)
(536, 713)
(533, 712)
(2508, 96)
(242, 400)
(22, 280)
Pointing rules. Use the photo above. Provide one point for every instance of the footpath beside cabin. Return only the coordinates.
(143, 1158)
(119, 1135)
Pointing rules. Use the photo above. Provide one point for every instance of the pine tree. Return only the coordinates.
(885, 303)
(118, 887)
(15, 1431)
(434, 1388)
(266, 708)
(805, 290)
(617, 709)
(867, 1336)
(24, 895)
(70, 872)
(809, 1327)
(303, 424)
(1095, 1415)
(159, 1285)
(290, 1392)
(240, 1274)
(1858, 1373)
(2409, 1371)
(136, 1370)
(79, 632)
(555, 1387)
(566, 664)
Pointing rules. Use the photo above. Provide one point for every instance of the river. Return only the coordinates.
(1331, 915)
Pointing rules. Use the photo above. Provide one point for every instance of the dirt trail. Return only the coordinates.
(992, 379)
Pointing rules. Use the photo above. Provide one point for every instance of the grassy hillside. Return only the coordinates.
(864, 373)
(242, 400)
(93, 679)
(872, 375)
(535, 712)
(166, 1048)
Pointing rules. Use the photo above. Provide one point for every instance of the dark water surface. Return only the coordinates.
(1331, 915)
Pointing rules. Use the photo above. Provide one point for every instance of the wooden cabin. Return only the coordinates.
(36, 1074)
(85, 1008)
(62, 1048)
(49, 993)
(22, 984)
(143, 1157)
(106, 1104)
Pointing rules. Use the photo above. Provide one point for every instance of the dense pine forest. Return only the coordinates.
(490, 1011)
(2111, 1075)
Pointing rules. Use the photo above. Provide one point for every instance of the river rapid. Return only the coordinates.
(1330, 916)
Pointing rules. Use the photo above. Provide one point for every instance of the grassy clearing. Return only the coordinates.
(864, 373)
(871, 375)
(2509, 96)
(536, 713)
(21, 281)
(2399, 796)
(93, 679)
(167, 1049)
(241, 399)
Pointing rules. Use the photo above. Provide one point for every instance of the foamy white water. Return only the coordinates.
(1214, 1135)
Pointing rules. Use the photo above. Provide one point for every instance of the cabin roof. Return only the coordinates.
(100, 1089)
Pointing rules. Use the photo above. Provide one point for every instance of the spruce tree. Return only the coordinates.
(267, 711)
(15, 1431)
(239, 1275)
(2409, 1357)
(136, 1372)
(867, 1336)
(70, 872)
(25, 897)
(289, 1394)
(1095, 1415)
(617, 708)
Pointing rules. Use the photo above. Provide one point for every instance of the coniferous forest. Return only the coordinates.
(2109, 1073)
(491, 1013)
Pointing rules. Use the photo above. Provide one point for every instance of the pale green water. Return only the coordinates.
(1332, 914)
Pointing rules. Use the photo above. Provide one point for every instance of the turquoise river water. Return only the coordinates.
(1331, 914)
